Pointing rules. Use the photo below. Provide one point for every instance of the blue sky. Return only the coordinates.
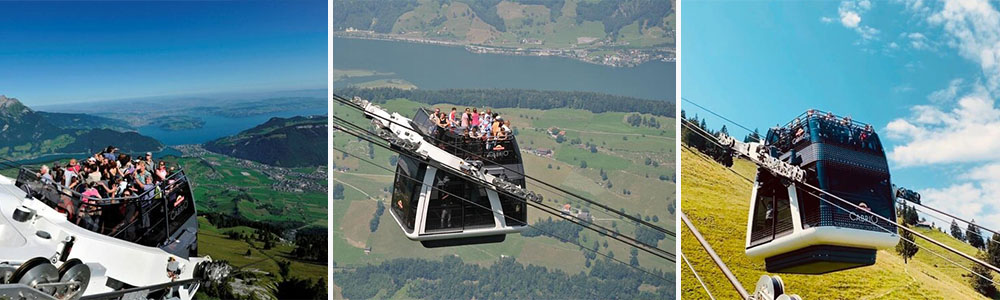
(926, 75)
(58, 52)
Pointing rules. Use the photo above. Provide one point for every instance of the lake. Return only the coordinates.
(440, 67)
(218, 126)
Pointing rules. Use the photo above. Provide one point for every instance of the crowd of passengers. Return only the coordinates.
(474, 125)
(109, 175)
(842, 131)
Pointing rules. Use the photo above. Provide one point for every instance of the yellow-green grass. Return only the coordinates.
(716, 201)
(212, 241)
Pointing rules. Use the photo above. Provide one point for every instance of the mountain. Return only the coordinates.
(716, 200)
(84, 121)
(515, 23)
(25, 133)
(286, 142)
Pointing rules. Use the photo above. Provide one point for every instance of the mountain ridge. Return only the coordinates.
(283, 142)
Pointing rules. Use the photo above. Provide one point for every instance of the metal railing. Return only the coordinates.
(148, 218)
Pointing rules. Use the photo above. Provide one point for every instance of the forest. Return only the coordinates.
(518, 98)
(451, 278)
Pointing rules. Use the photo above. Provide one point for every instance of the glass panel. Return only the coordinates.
(406, 190)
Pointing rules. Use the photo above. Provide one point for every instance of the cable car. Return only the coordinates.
(425, 193)
(795, 232)
(56, 242)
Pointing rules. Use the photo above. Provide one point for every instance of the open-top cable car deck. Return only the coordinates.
(58, 243)
(446, 161)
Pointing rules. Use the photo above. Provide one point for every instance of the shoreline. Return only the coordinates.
(619, 59)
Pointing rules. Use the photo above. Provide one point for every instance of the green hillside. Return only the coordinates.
(28, 134)
(716, 201)
(516, 23)
(285, 142)
(623, 150)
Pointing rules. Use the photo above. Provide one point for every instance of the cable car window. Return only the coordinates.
(406, 190)
(763, 219)
(446, 211)
(514, 210)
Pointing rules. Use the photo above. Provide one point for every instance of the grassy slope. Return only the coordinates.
(521, 21)
(716, 201)
(650, 196)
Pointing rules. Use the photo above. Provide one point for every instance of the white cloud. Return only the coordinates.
(918, 40)
(849, 13)
(973, 27)
(850, 19)
(964, 200)
(903, 88)
(969, 132)
(946, 94)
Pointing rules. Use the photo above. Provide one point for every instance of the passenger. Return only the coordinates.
(91, 194)
(466, 117)
(442, 120)
(488, 117)
(141, 173)
(93, 174)
(173, 268)
(109, 153)
(475, 133)
(87, 216)
(73, 166)
(43, 173)
(475, 117)
(149, 159)
(495, 127)
(453, 117)
(161, 171)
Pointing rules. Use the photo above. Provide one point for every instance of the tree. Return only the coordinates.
(248, 252)
(583, 164)
(905, 248)
(974, 236)
(284, 268)
(593, 149)
(993, 250)
(655, 218)
(956, 231)
(982, 285)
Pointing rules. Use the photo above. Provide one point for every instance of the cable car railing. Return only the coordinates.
(148, 218)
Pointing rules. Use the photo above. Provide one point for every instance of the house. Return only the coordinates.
(543, 152)
(924, 224)
(566, 210)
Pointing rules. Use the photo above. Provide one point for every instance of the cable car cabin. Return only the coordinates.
(794, 231)
(427, 201)
(162, 217)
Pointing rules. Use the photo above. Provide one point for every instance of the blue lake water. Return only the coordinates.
(441, 67)
(218, 126)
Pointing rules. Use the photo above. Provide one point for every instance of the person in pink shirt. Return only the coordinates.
(91, 193)
(475, 117)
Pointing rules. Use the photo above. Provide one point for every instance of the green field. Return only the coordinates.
(216, 185)
(716, 201)
(624, 160)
